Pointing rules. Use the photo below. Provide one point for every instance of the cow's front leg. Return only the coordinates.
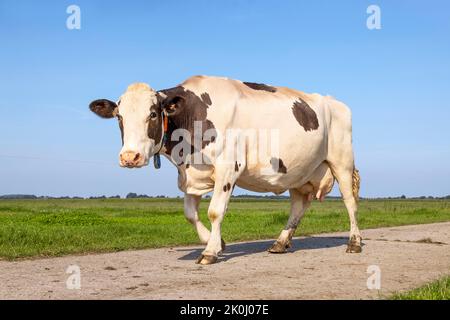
(223, 188)
(191, 203)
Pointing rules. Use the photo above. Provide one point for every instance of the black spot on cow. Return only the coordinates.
(236, 167)
(184, 108)
(260, 86)
(278, 165)
(227, 187)
(305, 116)
(187, 165)
(206, 98)
(154, 130)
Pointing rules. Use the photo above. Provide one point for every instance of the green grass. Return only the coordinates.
(38, 228)
(437, 290)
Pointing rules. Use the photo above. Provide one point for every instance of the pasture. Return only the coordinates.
(45, 228)
(437, 290)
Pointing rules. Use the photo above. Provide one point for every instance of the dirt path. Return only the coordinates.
(315, 268)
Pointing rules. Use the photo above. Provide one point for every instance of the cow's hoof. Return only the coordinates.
(278, 247)
(353, 246)
(206, 259)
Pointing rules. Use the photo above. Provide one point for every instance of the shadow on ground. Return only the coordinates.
(248, 248)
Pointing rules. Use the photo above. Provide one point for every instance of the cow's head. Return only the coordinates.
(138, 112)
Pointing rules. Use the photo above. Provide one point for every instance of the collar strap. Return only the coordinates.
(157, 157)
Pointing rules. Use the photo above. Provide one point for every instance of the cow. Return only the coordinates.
(313, 134)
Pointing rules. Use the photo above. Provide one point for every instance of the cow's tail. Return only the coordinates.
(356, 183)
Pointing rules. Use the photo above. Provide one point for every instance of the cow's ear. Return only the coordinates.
(174, 105)
(104, 108)
(161, 97)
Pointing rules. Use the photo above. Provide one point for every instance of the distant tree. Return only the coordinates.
(18, 196)
(403, 196)
(131, 195)
(100, 197)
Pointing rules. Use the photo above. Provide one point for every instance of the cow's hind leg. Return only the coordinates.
(341, 161)
(348, 179)
(299, 204)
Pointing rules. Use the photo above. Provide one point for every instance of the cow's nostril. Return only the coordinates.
(137, 156)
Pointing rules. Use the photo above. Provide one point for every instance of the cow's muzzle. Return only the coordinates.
(131, 159)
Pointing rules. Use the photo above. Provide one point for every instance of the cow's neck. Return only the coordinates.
(193, 110)
(186, 123)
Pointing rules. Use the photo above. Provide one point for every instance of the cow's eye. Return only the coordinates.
(153, 115)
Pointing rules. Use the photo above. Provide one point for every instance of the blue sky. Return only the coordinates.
(396, 81)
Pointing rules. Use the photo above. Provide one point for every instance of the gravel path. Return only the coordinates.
(316, 267)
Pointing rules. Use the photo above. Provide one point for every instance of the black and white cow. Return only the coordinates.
(215, 129)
